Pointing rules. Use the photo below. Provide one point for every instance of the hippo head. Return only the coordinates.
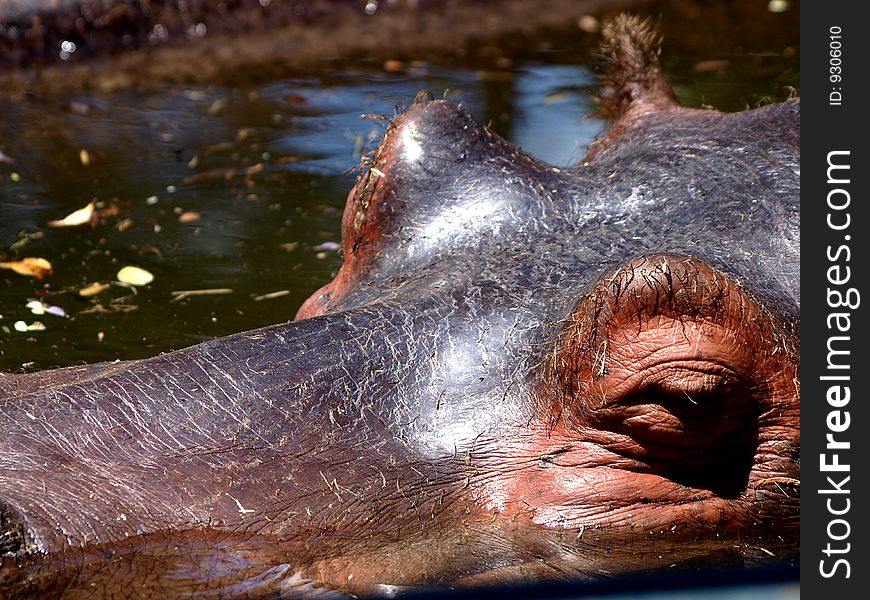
(521, 373)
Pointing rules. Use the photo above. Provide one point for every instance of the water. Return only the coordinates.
(238, 188)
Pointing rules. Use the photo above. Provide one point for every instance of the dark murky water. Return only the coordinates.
(241, 190)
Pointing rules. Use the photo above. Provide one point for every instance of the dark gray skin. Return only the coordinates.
(520, 374)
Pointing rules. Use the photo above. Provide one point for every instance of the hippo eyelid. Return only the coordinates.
(679, 380)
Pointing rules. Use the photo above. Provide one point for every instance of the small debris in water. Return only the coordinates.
(93, 289)
(25, 239)
(494, 75)
(588, 23)
(193, 94)
(555, 97)
(272, 295)
(79, 108)
(296, 99)
(288, 160)
(188, 216)
(39, 308)
(77, 217)
(778, 6)
(133, 275)
(22, 327)
(149, 249)
(217, 106)
(84, 157)
(708, 66)
(327, 247)
(393, 66)
(151, 200)
(182, 294)
(30, 267)
(15, 177)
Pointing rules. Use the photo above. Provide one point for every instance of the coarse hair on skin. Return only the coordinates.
(630, 68)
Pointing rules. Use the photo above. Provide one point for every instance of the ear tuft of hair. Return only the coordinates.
(631, 72)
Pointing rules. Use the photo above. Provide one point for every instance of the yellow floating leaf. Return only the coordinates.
(78, 217)
(93, 289)
(134, 276)
(30, 267)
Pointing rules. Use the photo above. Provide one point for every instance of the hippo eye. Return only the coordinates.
(694, 424)
(672, 367)
(696, 427)
(679, 409)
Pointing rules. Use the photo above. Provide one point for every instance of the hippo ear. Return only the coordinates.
(670, 364)
(420, 196)
(632, 76)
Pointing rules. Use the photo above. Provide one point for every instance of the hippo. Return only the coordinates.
(521, 373)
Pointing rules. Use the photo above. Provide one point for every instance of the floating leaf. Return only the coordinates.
(55, 310)
(30, 267)
(78, 217)
(93, 289)
(134, 276)
(40, 308)
(23, 327)
(36, 307)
